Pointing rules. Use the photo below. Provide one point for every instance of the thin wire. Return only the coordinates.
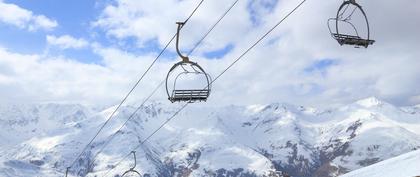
(224, 71)
(348, 18)
(131, 90)
(211, 29)
(125, 98)
(111, 137)
(193, 12)
(259, 40)
(154, 132)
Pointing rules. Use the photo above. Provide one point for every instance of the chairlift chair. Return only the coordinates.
(189, 68)
(349, 39)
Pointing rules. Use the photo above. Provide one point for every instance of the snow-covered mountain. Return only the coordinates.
(406, 165)
(257, 140)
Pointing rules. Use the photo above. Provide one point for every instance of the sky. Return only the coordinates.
(93, 51)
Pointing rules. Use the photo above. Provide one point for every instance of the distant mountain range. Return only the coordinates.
(235, 141)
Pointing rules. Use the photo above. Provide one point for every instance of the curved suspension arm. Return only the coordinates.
(208, 78)
(67, 171)
(167, 77)
(344, 11)
(176, 78)
(135, 159)
(351, 14)
(351, 24)
(195, 71)
(180, 25)
(367, 21)
(210, 82)
(183, 68)
(353, 2)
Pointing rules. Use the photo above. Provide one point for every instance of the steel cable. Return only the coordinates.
(223, 72)
(129, 93)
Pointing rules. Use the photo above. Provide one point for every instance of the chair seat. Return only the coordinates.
(190, 95)
(352, 40)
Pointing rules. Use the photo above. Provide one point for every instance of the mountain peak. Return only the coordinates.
(369, 102)
(208, 141)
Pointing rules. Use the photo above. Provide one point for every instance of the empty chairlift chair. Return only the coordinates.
(185, 70)
(342, 19)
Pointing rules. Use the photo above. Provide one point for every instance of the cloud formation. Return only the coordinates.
(66, 42)
(25, 19)
(277, 68)
(298, 63)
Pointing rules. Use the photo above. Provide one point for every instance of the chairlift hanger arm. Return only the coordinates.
(135, 160)
(180, 25)
(67, 171)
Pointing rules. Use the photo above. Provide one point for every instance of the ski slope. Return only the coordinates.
(406, 165)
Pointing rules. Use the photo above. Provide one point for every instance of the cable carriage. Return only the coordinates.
(190, 82)
(350, 34)
(132, 171)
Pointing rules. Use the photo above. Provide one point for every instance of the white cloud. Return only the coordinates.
(273, 72)
(38, 78)
(41, 21)
(23, 18)
(147, 20)
(66, 42)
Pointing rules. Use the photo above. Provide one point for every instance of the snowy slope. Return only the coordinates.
(406, 165)
(256, 140)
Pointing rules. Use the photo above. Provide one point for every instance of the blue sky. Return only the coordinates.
(90, 50)
(74, 17)
(321, 66)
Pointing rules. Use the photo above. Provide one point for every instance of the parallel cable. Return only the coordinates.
(148, 137)
(259, 40)
(129, 93)
(111, 137)
(223, 72)
(212, 28)
(193, 12)
(122, 102)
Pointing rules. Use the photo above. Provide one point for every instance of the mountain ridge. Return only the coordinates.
(257, 140)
